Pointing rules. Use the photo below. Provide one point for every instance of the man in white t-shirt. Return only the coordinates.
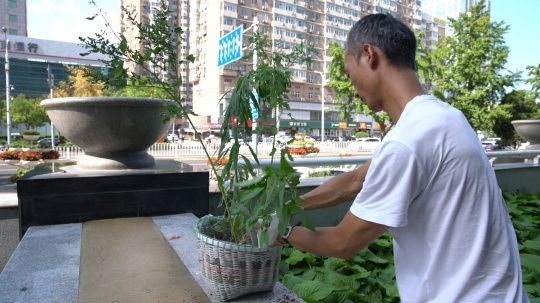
(429, 184)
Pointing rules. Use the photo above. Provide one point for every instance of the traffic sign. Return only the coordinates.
(254, 111)
(230, 46)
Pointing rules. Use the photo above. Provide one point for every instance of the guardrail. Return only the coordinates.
(193, 148)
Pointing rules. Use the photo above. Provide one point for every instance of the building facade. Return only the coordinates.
(144, 12)
(287, 23)
(29, 61)
(13, 17)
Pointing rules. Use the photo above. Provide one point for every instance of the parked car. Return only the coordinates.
(49, 141)
(284, 139)
(172, 137)
(364, 144)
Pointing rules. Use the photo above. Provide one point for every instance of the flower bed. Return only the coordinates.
(302, 151)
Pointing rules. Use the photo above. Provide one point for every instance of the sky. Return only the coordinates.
(65, 20)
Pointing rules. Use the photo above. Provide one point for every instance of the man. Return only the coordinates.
(429, 184)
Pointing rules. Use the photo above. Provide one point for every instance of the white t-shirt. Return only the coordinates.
(431, 182)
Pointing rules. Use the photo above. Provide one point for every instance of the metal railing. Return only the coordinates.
(343, 155)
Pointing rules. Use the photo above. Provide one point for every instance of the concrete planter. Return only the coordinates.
(114, 132)
(530, 131)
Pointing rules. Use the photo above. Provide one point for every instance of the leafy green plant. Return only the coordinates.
(31, 132)
(247, 197)
(18, 174)
(524, 210)
(370, 275)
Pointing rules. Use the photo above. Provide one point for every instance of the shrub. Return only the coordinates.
(9, 155)
(50, 155)
(30, 156)
(359, 135)
(31, 132)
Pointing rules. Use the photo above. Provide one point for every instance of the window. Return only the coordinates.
(12, 3)
(12, 18)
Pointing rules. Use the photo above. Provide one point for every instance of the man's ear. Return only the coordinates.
(372, 55)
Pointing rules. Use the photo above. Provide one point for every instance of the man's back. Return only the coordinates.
(453, 237)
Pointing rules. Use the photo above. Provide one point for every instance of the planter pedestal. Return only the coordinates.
(79, 195)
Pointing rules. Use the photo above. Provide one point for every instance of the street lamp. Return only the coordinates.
(323, 83)
(8, 110)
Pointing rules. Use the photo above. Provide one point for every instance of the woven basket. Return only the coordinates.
(232, 270)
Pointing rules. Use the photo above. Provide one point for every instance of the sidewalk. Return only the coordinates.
(8, 190)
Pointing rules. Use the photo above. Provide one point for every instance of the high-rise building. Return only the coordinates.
(144, 12)
(287, 23)
(13, 17)
(444, 9)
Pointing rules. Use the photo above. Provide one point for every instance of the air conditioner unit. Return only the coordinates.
(302, 99)
(242, 2)
(310, 43)
(310, 80)
(311, 31)
(245, 17)
(311, 6)
(305, 28)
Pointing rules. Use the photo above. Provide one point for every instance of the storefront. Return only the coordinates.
(312, 128)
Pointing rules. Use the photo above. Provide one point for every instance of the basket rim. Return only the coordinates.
(227, 244)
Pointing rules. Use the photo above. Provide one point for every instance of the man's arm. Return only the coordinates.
(343, 241)
(341, 188)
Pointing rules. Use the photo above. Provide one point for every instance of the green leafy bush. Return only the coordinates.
(370, 275)
(31, 132)
(359, 135)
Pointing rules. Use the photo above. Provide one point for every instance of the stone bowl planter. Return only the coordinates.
(114, 132)
(530, 131)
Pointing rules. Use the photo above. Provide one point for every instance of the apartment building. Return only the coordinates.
(444, 9)
(144, 12)
(13, 17)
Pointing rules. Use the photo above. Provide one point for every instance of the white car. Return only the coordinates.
(284, 139)
(365, 144)
(172, 137)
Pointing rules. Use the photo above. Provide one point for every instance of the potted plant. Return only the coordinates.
(31, 135)
(245, 263)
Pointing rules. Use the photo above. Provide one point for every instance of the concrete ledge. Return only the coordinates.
(45, 267)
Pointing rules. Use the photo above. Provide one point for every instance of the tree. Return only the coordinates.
(28, 112)
(516, 105)
(469, 65)
(425, 65)
(534, 78)
(78, 85)
(344, 89)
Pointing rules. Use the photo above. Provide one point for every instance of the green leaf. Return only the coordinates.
(531, 262)
(312, 290)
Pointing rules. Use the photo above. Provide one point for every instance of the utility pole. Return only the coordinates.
(8, 107)
(50, 81)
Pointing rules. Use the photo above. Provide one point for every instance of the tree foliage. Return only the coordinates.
(340, 83)
(78, 85)
(469, 65)
(28, 112)
(534, 78)
(516, 105)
